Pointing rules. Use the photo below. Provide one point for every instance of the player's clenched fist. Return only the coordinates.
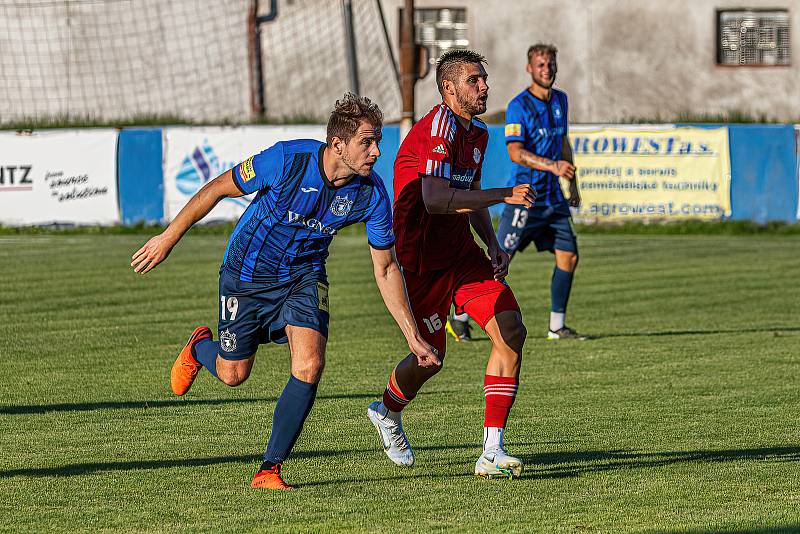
(152, 253)
(521, 194)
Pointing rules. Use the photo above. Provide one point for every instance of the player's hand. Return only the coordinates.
(427, 356)
(574, 195)
(564, 169)
(500, 260)
(152, 253)
(521, 194)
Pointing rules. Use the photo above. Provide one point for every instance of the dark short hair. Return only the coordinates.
(541, 48)
(448, 67)
(348, 114)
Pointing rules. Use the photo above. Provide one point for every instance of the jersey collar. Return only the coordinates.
(324, 176)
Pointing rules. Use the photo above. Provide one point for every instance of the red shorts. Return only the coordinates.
(470, 286)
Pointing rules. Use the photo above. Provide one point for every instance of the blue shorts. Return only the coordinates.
(549, 227)
(251, 314)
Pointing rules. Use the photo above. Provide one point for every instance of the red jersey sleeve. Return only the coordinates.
(436, 156)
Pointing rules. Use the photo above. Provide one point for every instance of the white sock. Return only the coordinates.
(492, 437)
(461, 317)
(556, 321)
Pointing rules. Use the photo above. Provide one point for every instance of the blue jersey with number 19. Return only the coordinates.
(289, 225)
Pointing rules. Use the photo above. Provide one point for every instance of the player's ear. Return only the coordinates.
(448, 87)
(528, 68)
(337, 145)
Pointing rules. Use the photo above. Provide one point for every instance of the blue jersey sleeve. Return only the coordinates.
(260, 171)
(515, 122)
(379, 221)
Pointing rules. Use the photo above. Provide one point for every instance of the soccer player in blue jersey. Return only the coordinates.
(537, 142)
(272, 285)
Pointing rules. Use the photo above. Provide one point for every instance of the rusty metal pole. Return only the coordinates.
(408, 68)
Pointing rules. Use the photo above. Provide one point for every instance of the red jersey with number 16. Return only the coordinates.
(438, 146)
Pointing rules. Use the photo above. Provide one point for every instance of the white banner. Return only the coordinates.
(59, 176)
(195, 155)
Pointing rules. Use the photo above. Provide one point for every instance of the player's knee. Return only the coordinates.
(233, 375)
(310, 371)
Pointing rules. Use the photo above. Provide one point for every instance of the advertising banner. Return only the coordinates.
(59, 176)
(797, 152)
(656, 173)
(195, 155)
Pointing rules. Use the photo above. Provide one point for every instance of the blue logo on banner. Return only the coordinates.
(199, 167)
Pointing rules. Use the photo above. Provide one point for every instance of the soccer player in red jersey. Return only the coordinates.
(438, 197)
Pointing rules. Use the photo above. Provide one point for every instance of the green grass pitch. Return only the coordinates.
(683, 416)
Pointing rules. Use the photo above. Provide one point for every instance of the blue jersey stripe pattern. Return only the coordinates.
(541, 126)
(286, 231)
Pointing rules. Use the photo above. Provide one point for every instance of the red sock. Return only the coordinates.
(500, 392)
(393, 398)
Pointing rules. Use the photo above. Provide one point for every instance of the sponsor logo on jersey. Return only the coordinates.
(322, 296)
(227, 340)
(513, 130)
(476, 155)
(246, 170)
(313, 224)
(462, 178)
(309, 189)
(550, 132)
(341, 206)
(440, 150)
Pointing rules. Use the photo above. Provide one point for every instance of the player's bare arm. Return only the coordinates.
(392, 287)
(574, 194)
(563, 168)
(440, 198)
(481, 222)
(158, 247)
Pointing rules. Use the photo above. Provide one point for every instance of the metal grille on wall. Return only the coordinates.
(753, 37)
(441, 29)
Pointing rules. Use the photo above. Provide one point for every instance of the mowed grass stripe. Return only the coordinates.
(681, 417)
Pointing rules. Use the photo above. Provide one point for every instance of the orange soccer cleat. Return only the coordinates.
(185, 368)
(270, 479)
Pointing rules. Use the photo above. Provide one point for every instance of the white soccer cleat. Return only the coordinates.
(496, 463)
(395, 442)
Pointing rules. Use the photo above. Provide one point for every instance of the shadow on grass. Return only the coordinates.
(776, 331)
(557, 464)
(136, 465)
(777, 529)
(145, 404)
(538, 466)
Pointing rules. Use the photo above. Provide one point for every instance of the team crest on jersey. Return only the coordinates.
(557, 112)
(476, 155)
(341, 206)
(227, 340)
(511, 241)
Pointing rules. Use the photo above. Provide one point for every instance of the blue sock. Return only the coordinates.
(205, 351)
(560, 287)
(290, 413)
